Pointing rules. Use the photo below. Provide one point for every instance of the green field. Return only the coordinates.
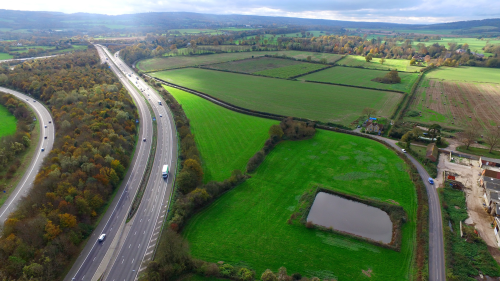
(291, 70)
(266, 66)
(5, 56)
(167, 62)
(253, 65)
(466, 74)
(8, 122)
(327, 103)
(248, 225)
(215, 127)
(361, 77)
(475, 45)
(400, 65)
(197, 31)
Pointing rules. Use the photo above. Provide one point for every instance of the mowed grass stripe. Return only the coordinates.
(248, 225)
(8, 122)
(327, 103)
(226, 139)
(361, 77)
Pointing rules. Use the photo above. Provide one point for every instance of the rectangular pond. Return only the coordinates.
(349, 216)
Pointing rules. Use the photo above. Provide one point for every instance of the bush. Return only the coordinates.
(255, 161)
(412, 113)
(392, 77)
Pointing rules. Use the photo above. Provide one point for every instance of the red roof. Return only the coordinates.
(491, 174)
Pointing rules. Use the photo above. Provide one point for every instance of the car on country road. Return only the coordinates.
(43, 149)
(431, 181)
(404, 150)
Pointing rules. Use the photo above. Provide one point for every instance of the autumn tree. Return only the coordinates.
(368, 57)
(382, 60)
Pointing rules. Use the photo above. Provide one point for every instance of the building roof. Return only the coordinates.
(491, 184)
(488, 159)
(491, 174)
(494, 196)
(431, 150)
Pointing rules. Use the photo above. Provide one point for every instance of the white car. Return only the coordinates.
(404, 150)
(102, 237)
(161, 115)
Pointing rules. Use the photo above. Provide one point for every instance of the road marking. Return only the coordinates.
(135, 233)
(129, 246)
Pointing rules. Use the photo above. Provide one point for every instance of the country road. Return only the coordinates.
(24, 185)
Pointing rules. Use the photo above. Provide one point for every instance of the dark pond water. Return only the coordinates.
(349, 216)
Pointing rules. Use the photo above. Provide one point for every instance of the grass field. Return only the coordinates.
(197, 31)
(248, 225)
(400, 65)
(291, 70)
(5, 56)
(361, 77)
(327, 103)
(466, 74)
(226, 139)
(8, 122)
(163, 63)
(475, 45)
(253, 65)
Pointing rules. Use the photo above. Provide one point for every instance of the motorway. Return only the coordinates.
(24, 185)
(121, 255)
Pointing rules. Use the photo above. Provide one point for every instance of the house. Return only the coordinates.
(490, 179)
(373, 127)
(492, 198)
(447, 55)
(460, 51)
(19, 44)
(432, 152)
(418, 58)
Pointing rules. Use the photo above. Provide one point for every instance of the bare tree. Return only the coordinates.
(469, 135)
(369, 112)
(492, 138)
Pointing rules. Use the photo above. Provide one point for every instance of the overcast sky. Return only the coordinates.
(397, 11)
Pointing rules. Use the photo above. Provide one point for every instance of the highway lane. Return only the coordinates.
(140, 242)
(94, 252)
(24, 185)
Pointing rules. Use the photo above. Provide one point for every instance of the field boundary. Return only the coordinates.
(353, 86)
(358, 66)
(421, 256)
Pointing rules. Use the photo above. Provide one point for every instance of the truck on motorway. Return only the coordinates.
(164, 171)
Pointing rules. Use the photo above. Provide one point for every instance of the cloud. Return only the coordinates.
(397, 11)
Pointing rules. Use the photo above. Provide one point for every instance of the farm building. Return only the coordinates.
(490, 179)
(432, 152)
(492, 198)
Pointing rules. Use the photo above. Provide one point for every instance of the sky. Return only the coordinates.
(396, 11)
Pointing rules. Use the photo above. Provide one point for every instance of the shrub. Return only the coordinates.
(392, 77)
(412, 113)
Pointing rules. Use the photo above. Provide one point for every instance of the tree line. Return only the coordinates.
(95, 126)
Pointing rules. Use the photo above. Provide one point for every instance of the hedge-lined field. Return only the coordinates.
(361, 77)
(5, 56)
(226, 139)
(8, 122)
(327, 103)
(248, 225)
(291, 70)
(466, 74)
(400, 65)
(253, 65)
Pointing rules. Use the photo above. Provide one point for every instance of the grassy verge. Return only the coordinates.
(419, 153)
(465, 256)
(479, 151)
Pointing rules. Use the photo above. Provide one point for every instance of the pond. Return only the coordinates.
(350, 216)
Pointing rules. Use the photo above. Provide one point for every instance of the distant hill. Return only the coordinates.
(26, 20)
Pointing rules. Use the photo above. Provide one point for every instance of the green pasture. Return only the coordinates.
(399, 64)
(327, 103)
(8, 122)
(466, 74)
(361, 77)
(475, 45)
(291, 70)
(253, 65)
(5, 56)
(226, 139)
(169, 62)
(266, 66)
(196, 31)
(236, 29)
(248, 225)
